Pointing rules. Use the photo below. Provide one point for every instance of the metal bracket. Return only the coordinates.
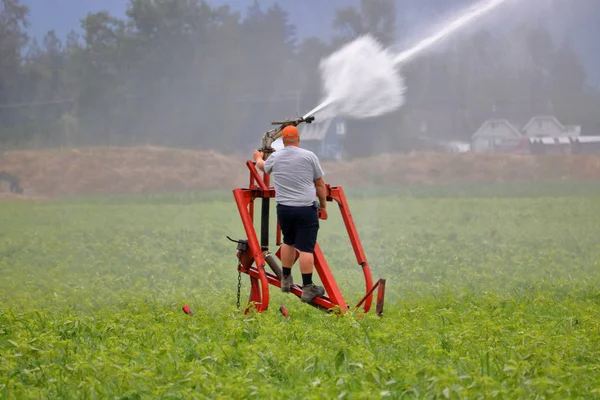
(242, 245)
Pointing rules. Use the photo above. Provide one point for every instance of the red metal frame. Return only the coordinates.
(252, 260)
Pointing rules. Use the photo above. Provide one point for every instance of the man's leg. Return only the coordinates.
(306, 239)
(309, 290)
(288, 251)
(288, 257)
(307, 263)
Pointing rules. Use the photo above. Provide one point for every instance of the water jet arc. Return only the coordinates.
(464, 20)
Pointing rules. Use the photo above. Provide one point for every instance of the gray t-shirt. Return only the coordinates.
(294, 171)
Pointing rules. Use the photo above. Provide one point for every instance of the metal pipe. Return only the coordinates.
(265, 213)
(264, 224)
(272, 263)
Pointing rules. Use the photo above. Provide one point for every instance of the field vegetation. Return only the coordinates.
(493, 292)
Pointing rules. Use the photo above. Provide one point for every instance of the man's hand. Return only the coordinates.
(322, 213)
(258, 159)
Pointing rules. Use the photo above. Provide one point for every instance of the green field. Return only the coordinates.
(492, 292)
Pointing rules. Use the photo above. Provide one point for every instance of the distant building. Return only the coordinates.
(549, 126)
(497, 135)
(586, 144)
(541, 134)
(324, 138)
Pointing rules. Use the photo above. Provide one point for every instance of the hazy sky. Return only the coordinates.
(579, 19)
(311, 17)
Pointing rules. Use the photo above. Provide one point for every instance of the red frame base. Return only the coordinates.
(252, 257)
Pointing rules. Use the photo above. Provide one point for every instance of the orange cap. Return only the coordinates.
(290, 132)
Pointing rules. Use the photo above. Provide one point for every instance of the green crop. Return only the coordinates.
(491, 293)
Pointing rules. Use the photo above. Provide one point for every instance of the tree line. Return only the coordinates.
(183, 73)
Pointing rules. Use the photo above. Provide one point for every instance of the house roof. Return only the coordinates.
(565, 139)
(544, 118)
(315, 130)
(521, 132)
(550, 140)
(588, 139)
(505, 122)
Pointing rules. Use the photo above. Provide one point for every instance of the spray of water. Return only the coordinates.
(466, 18)
(362, 80)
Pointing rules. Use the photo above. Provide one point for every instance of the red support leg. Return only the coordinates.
(254, 294)
(328, 280)
(337, 194)
(256, 176)
(380, 297)
(243, 198)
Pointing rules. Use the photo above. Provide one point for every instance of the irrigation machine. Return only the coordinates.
(253, 252)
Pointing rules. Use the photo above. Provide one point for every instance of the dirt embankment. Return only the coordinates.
(120, 170)
(436, 168)
(50, 173)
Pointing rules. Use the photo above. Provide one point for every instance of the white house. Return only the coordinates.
(496, 135)
(501, 135)
(549, 126)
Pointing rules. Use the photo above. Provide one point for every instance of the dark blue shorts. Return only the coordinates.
(299, 226)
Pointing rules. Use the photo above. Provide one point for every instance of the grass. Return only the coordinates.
(493, 292)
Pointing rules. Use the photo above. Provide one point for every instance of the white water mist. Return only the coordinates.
(362, 78)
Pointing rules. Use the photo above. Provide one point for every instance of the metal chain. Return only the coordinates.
(239, 288)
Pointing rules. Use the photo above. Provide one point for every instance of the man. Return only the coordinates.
(297, 177)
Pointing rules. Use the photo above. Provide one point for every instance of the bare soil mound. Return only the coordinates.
(101, 171)
(121, 170)
(436, 168)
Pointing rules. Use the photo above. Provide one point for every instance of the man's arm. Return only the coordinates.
(258, 158)
(320, 187)
(322, 195)
(321, 192)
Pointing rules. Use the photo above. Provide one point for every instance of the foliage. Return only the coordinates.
(487, 297)
(185, 73)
